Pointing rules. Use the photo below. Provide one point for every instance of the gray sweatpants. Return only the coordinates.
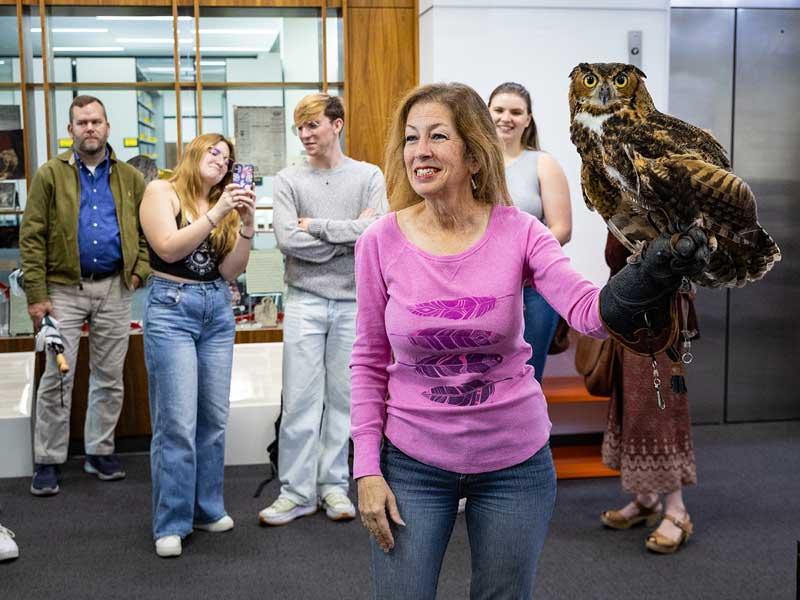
(106, 305)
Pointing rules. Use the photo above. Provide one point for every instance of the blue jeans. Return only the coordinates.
(508, 512)
(189, 332)
(318, 336)
(540, 328)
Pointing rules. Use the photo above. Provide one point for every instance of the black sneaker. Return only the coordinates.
(45, 480)
(106, 467)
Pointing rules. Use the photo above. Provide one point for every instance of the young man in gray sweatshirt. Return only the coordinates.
(319, 210)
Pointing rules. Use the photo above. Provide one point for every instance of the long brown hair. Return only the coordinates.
(530, 136)
(474, 126)
(188, 185)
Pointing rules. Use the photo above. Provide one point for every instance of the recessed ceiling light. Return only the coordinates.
(238, 31)
(88, 49)
(152, 41)
(72, 30)
(231, 49)
(126, 18)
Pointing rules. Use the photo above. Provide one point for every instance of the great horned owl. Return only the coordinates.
(646, 172)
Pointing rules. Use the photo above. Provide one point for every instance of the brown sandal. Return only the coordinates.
(664, 545)
(647, 514)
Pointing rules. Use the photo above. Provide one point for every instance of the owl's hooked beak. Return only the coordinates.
(604, 93)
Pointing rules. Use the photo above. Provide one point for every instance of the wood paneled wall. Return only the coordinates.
(382, 63)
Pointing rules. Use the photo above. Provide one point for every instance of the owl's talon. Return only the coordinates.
(638, 252)
(690, 250)
(685, 247)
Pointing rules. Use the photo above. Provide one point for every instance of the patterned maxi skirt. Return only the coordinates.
(652, 448)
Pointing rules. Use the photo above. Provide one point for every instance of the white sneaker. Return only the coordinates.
(223, 524)
(338, 507)
(462, 506)
(169, 545)
(8, 547)
(283, 511)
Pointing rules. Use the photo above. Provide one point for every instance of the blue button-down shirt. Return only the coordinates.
(98, 229)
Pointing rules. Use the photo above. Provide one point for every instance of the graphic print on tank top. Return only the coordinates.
(202, 260)
(450, 364)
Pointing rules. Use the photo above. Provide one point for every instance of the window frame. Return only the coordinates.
(338, 9)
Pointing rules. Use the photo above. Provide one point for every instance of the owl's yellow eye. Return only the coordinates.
(620, 80)
(590, 81)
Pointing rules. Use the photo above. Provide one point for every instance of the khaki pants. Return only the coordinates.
(106, 305)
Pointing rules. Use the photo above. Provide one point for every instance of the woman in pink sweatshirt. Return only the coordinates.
(444, 404)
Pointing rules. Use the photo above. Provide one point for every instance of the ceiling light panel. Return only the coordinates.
(131, 18)
(232, 49)
(160, 41)
(72, 30)
(238, 31)
(88, 49)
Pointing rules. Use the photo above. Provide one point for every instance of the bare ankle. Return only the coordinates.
(647, 500)
(676, 510)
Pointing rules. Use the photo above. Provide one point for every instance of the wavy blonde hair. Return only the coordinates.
(313, 106)
(189, 185)
(473, 125)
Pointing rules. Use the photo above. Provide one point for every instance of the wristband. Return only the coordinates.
(247, 237)
(210, 221)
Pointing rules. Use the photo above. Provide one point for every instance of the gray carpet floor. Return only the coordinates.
(92, 541)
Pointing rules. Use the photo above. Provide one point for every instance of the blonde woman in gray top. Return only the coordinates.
(538, 186)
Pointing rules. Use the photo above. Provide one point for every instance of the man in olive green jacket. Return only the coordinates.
(83, 254)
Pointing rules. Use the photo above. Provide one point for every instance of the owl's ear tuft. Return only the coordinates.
(638, 71)
(578, 68)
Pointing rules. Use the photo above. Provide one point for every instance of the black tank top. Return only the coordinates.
(201, 264)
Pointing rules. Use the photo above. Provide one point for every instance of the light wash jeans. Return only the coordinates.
(318, 337)
(106, 305)
(189, 332)
(540, 328)
(508, 513)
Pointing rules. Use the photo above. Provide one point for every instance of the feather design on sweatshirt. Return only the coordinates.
(456, 364)
(467, 394)
(458, 309)
(440, 338)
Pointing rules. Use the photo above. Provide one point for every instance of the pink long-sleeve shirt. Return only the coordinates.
(439, 364)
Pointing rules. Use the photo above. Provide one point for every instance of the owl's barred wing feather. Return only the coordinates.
(723, 197)
(729, 211)
(661, 135)
(691, 188)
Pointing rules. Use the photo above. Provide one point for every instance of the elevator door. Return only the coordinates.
(701, 92)
(764, 327)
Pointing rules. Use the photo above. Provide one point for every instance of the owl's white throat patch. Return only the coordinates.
(593, 123)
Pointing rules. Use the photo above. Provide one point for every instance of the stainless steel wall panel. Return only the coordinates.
(764, 336)
(705, 376)
(701, 69)
(701, 92)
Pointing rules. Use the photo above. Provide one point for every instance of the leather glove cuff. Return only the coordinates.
(639, 304)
